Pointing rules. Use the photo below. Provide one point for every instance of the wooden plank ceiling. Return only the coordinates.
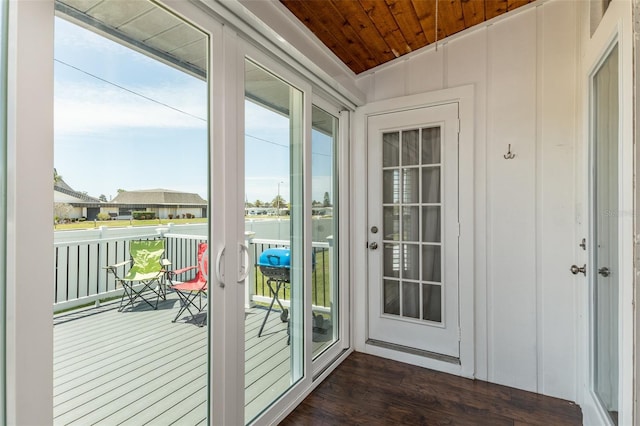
(367, 33)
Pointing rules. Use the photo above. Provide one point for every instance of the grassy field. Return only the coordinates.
(124, 223)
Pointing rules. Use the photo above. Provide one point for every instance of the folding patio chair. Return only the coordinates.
(146, 277)
(192, 293)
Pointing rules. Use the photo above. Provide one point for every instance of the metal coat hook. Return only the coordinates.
(509, 155)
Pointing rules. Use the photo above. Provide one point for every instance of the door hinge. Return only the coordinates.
(458, 229)
(459, 334)
(458, 126)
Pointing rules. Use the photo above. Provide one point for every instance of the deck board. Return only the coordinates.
(138, 367)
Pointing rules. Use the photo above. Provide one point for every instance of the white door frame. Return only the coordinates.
(464, 95)
(616, 26)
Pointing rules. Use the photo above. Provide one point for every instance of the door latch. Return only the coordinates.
(604, 271)
(575, 269)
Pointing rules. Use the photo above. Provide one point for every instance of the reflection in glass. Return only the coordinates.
(391, 226)
(411, 223)
(391, 149)
(391, 297)
(411, 261)
(391, 186)
(324, 224)
(391, 260)
(431, 185)
(431, 263)
(431, 224)
(431, 145)
(410, 299)
(411, 185)
(410, 148)
(432, 302)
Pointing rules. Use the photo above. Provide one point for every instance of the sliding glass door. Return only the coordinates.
(274, 220)
(196, 220)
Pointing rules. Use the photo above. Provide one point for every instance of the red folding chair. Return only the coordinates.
(193, 293)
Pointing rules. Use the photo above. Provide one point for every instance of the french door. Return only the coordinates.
(413, 230)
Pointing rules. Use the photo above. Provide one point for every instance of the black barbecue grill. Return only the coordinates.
(275, 264)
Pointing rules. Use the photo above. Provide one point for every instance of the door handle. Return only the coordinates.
(575, 269)
(219, 274)
(244, 269)
(604, 271)
(373, 246)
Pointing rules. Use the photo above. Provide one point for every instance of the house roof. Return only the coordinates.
(158, 197)
(64, 188)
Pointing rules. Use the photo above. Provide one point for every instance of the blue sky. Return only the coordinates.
(108, 138)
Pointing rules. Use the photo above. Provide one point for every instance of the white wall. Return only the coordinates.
(524, 70)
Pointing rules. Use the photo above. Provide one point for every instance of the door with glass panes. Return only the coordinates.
(413, 230)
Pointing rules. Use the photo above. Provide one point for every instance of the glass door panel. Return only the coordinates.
(605, 275)
(274, 320)
(324, 224)
(130, 183)
(418, 228)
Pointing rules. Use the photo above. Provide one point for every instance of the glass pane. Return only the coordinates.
(391, 229)
(431, 145)
(391, 186)
(411, 186)
(391, 149)
(411, 223)
(431, 185)
(432, 302)
(431, 224)
(391, 260)
(431, 263)
(128, 121)
(324, 225)
(606, 279)
(391, 297)
(274, 132)
(410, 148)
(410, 299)
(411, 261)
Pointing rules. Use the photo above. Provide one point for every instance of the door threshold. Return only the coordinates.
(414, 351)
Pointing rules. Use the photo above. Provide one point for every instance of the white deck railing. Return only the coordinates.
(80, 277)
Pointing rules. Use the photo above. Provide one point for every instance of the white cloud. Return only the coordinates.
(91, 109)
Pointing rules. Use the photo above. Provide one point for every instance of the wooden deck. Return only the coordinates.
(137, 367)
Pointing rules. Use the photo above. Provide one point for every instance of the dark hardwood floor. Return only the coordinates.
(368, 390)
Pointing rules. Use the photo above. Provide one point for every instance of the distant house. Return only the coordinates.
(82, 205)
(164, 202)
